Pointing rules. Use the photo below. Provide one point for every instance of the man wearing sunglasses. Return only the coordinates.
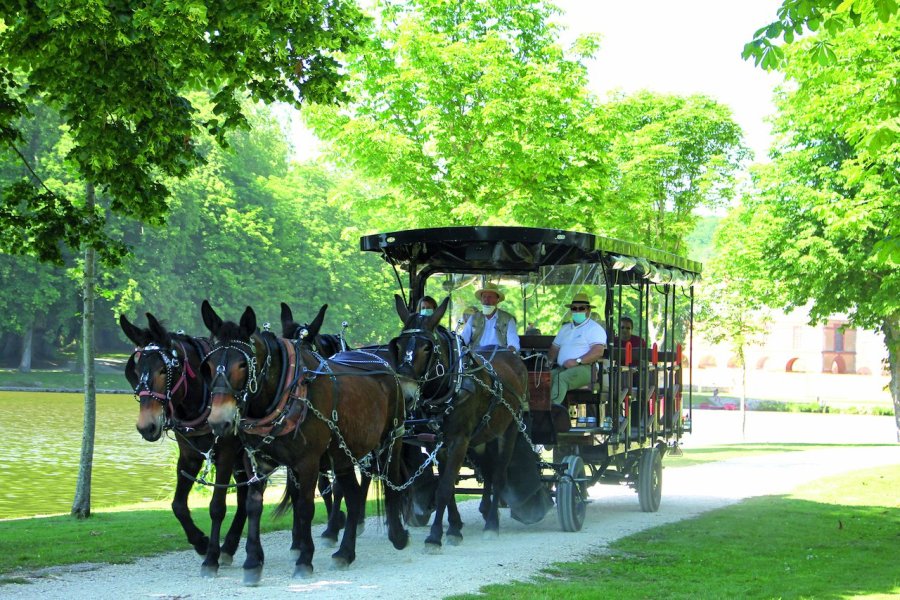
(579, 344)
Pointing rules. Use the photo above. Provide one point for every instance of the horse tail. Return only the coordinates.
(290, 492)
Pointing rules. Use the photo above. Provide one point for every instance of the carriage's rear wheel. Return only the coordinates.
(412, 514)
(650, 480)
(571, 493)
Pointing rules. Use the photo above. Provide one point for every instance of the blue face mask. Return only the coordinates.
(426, 312)
(579, 318)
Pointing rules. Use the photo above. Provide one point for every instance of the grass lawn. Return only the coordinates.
(61, 379)
(834, 538)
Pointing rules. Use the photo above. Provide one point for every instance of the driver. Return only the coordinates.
(492, 327)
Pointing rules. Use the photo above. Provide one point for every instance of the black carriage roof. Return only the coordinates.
(513, 249)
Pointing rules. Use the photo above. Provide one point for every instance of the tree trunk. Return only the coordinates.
(81, 507)
(743, 399)
(891, 328)
(27, 337)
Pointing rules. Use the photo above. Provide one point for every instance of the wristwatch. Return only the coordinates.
(578, 360)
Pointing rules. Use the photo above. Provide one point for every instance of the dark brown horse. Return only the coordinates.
(472, 403)
(325, 345)
(164, 373)
(290, 408)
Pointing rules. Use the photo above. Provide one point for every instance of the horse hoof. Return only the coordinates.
(327, 541)
(454, 540)
(303, 571)
(208, 571)
(226, 560)
(433, 548)
(252, 577)
(339, 563)
(295, 554)
(401, 541)
(490, 534)
(202, 546)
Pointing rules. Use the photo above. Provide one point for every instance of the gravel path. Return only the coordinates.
(521, 551)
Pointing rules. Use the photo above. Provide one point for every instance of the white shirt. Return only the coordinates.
(489, 335)
(574, 341)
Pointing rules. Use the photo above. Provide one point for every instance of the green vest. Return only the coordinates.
(502, 325)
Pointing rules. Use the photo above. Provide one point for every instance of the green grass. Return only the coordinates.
(834, 538)
(60, 379)
(115, 536)
(697, 456)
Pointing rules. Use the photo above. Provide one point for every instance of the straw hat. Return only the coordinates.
(580, 299)
(490, 287)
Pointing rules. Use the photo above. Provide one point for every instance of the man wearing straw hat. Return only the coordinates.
(492, 327)
(579, 344)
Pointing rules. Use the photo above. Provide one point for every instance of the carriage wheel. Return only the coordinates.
(650, 480)
(571, 492)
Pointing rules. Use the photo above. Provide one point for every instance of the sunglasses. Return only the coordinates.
(579, 309)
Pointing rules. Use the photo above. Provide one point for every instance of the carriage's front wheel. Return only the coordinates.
(571, 495)
(650, 480)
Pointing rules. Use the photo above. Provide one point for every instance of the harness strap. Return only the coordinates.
(287, 414)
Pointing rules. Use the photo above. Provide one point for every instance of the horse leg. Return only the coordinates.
(217, 511)
(332, 501)
(189, 463)
(499, 454)
(365, 482)
(346, 554)
(253, 565)
(233, 537)
(305, 474)
(445, 495)
(393, 499)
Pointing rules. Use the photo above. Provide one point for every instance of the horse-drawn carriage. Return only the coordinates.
(617, 429)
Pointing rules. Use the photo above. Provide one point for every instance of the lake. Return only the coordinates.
(40, 447)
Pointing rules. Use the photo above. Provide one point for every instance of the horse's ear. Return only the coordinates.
(248, 322)
(402, 310)
(159, 332)
(316, 324)
(286, 315)
(434, 319)
(212, 321)
(132, 332)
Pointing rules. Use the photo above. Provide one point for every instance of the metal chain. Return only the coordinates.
(359, 464)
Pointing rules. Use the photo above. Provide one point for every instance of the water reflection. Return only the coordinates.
(40, 447)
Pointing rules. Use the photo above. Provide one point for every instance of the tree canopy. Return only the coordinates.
(118, 76)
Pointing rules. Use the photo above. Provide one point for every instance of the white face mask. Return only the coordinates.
(487, 309)
(426, 312)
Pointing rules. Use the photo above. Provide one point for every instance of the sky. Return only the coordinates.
(681, 47)
(668, 46)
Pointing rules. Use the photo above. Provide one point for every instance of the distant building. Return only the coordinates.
(794, 346)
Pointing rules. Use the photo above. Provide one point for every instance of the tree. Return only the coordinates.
(469, 112)
(118, 73)
(828, 206)
(674, 154)
(796, 17)
(731, 305)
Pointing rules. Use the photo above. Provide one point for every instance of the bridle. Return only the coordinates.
(413, 336)
(143, 390)
(251, 386)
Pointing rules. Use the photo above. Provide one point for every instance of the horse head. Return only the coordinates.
(323, 344)
(152, 370)
(417, 350)
(231, 368)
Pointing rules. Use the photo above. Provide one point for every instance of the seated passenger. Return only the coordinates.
(626, 326)
(577, 346)
(492, 327)
(426, 306)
